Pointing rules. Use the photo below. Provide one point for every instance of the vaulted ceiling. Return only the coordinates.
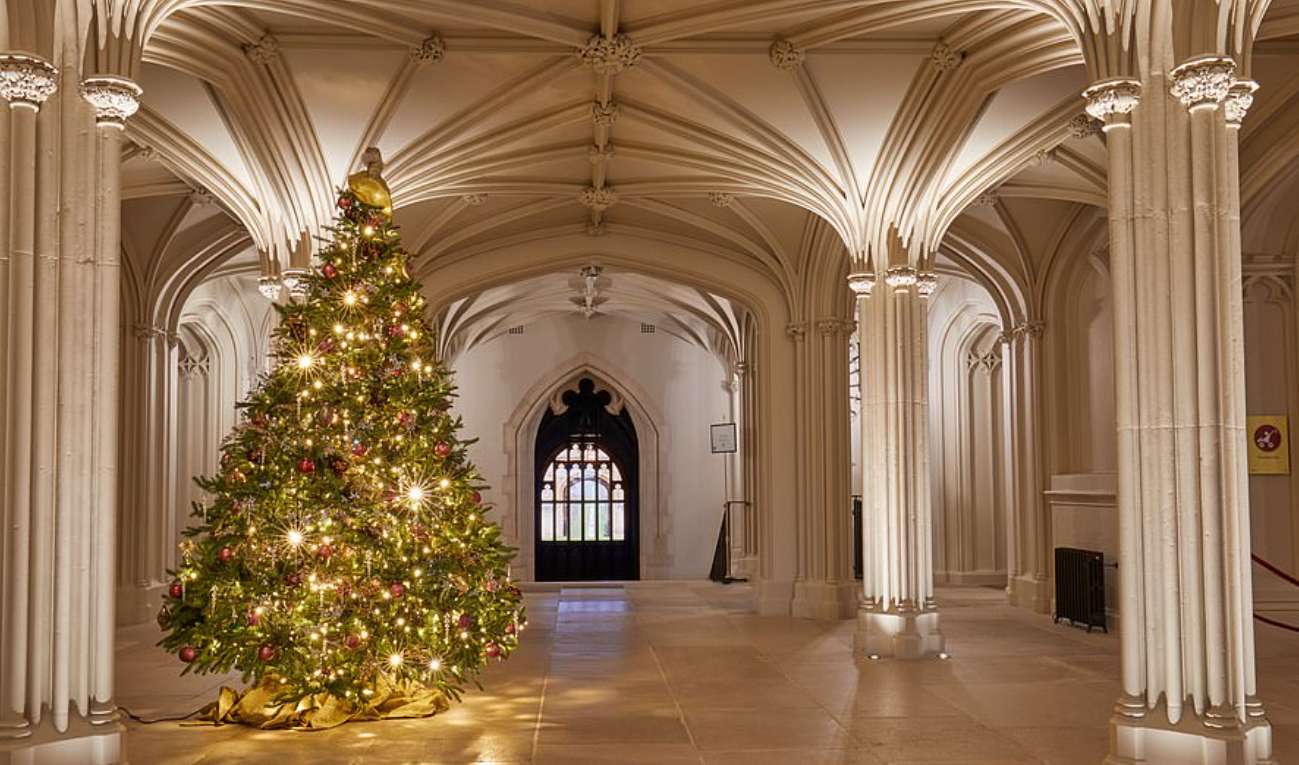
(739, 124)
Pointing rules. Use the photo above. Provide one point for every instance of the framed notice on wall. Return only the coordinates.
(1269, 445)
(722, 438)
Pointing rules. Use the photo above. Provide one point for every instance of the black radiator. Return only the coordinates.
(1080, 587)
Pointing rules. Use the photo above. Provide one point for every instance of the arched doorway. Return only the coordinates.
(586, 518)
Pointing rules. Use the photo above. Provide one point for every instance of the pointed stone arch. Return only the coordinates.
(517, 492)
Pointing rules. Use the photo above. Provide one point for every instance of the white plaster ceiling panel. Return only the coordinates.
(766, 93)
(1012, 108)
(863, 92)
(643, 169)
(184, 102)
(146, 222)
(1037, 223)
(461, 81)
(148, 177)
(341, 89)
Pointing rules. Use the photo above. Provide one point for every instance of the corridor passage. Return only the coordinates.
(678, 673)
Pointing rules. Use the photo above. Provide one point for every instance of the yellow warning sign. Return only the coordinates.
(1269, 445)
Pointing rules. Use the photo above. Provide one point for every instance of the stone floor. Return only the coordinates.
(685, 673)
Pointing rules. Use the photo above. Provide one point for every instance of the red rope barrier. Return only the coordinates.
(1275, 623)
(1275, 570)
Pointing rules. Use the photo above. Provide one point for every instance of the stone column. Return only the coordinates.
(1031, 536)
(26, 82)
(825, 588)
(897, 616)
(1186, 636)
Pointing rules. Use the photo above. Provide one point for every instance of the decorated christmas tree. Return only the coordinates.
(342, 561)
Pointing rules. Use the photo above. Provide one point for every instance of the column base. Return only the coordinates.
(1140, 736)
(773, 598)
(824, 600)
(82, 744)
(1032, 592)
(897, 634)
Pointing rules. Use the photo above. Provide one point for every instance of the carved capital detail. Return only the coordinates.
(599, 155)
(831, 326)
(599, 198)
(473, 200)
(431, 51)
(1083, 126)
(786, 56)
(269, 286)
(1240, 96)
(263, 51)
(861, 283)
(295, 281)
(987, 199)
(945, 58)
(1028, 329)
(609, 55)
(1112, 101)
(797, 330)
(721, 198)
(901, 277)
(604, 114)
(926, 283)
(27, 79)
(1203, 81)
(115, 99)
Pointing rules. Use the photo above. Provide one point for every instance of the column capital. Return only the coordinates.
(830, 326)
(926, 283)
(797, 331)
(269, 286)
(1203, 81)
(901, 277)
(295, 281)
(1111, 101)
(115, 99)
(861, 283)
(1240, 96)
(27, 80)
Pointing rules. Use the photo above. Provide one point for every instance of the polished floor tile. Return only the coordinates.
(685, 673)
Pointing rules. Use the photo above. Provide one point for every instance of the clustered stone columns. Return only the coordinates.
(823, 587)
(59, 347)
(1029, 574)
(897, 616)
(1187, 642)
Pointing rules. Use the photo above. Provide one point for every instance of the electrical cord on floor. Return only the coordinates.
(156, 720)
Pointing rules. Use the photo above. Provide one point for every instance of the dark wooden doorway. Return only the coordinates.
(587, 462)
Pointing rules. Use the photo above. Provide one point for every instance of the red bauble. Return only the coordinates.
(329, 271)
(466, 621)
(394, 330)
(325, 551)
(359, 449)
(509, 629)
(344, 203)
(188, 654)
(492, 585)
(477, 498)
(225, 554)
(306, 466)
(266, 652)
(397, 589)
(351, 641)
(254, 619)
(339, 466)
(442, 449)
(492, 650)
(176, 590)
(405, 418)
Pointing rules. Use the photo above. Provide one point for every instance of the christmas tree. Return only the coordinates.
(343, 551)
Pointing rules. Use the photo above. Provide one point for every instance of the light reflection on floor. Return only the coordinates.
(674, 673)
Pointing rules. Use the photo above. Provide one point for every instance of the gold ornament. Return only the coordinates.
(368, 185)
